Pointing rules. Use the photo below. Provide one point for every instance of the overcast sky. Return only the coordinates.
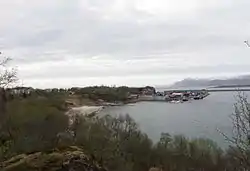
(64, 43)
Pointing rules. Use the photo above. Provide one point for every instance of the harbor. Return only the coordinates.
(182, 95)
(175, 96)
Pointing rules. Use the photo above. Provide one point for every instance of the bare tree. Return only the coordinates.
(240, 139)
(247, 43)
(7, 77)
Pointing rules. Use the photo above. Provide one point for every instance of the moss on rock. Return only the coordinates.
(71, 159)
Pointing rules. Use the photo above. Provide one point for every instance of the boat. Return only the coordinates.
(198, 97)
(130, 104)
(184, 99)
(176, 101)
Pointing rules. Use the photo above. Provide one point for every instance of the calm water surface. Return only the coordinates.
(193, 119)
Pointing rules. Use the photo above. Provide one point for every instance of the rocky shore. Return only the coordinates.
(87, 110)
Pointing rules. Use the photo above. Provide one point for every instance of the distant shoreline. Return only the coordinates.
(231, 86)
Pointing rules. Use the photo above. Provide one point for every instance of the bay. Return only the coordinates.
(194, 119)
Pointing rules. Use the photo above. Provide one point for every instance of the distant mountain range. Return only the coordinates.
(241, 81)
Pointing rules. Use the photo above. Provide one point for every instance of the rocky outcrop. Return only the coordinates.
(71, 159)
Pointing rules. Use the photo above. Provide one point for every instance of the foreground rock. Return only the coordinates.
(72, 159)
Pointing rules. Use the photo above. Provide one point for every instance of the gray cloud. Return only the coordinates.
(93, 38)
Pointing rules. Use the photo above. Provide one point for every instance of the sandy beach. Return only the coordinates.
(87, 110)
(83, 110)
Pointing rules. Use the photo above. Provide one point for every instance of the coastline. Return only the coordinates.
(87, 110)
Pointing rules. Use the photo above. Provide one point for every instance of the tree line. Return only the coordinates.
(94, 93)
